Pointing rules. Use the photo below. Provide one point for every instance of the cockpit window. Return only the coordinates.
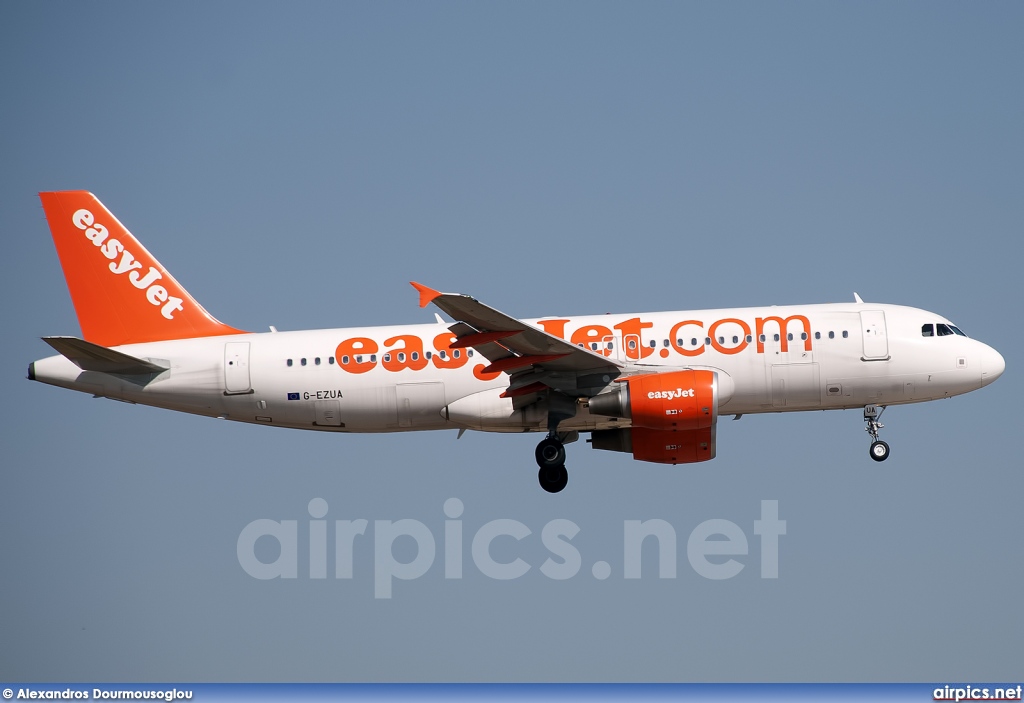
(956, 330)
(943, 330)
(928, 330)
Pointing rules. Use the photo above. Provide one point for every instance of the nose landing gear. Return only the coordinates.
(879, 450)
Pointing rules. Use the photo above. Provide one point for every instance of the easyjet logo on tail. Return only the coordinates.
(123, 261)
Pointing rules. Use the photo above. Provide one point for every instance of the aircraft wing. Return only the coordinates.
(513, 346)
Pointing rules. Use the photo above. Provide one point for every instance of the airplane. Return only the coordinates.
(648, 384)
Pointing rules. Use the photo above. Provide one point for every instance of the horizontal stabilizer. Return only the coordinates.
(92, 357)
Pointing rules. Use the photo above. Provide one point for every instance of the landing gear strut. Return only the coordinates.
(879, 450)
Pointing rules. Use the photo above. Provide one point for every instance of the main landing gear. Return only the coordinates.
(550, 452)
(879, 450)
(551, 460)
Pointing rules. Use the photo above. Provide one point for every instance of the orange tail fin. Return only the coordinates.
(121, 293)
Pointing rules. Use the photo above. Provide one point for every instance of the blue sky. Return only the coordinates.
(297, 164)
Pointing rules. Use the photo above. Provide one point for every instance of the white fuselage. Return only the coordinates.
(812, 357)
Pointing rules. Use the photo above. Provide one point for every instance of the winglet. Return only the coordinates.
(426, 294)
(856, 298)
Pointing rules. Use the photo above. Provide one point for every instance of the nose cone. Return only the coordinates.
(992, 365)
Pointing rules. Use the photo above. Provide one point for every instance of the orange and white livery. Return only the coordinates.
(649, 384)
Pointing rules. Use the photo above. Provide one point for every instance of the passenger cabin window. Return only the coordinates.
(330, 360)
(928, 330)
(653, 344)
(317, 361)
(817, 335)
(845, 334)
(943, 330)
(289, 362)
(302, 361)
(831, 335)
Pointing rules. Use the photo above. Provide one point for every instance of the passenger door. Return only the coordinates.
(876, 343)
(236, 368)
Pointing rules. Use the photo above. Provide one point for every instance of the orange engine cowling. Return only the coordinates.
(677, 400)
(658, 446)
(672, 414)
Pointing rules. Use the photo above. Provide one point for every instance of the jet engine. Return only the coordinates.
(673, 416)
